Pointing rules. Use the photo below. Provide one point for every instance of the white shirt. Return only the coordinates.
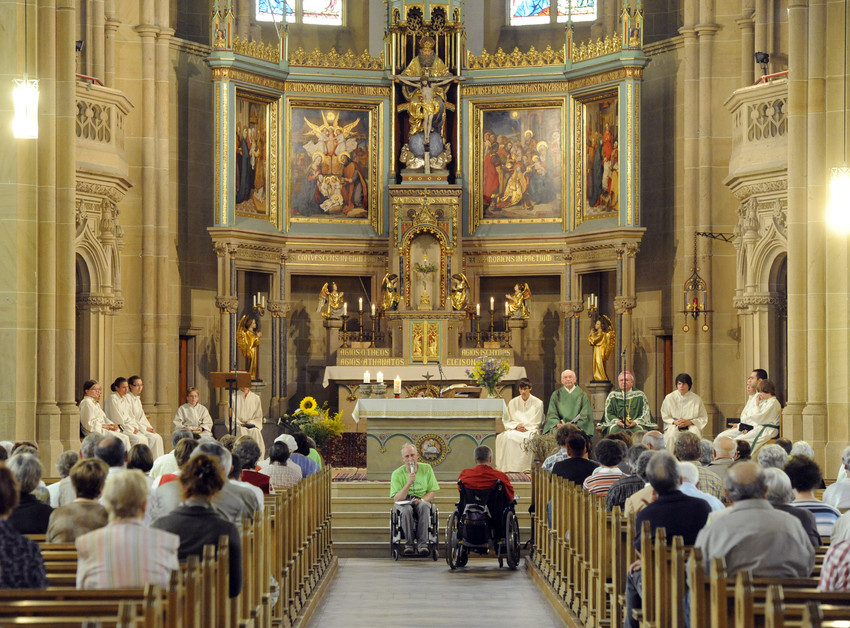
(688, 406)
(193, 417)
(528, 413)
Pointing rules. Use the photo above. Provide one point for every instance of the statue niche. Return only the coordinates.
(425, 255)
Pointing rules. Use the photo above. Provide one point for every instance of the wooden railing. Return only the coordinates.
(290, 541)
(582, 553)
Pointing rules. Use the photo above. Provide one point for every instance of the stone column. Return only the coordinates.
(97, 43)
(110, 26)
(243, 18)
(747, 26)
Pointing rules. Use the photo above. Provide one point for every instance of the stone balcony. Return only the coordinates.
(100, 116)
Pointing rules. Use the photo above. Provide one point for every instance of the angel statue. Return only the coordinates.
(460, 292)
(330, 301)
(602, 340)
(518, 301)
(248, 341)
(389, 289)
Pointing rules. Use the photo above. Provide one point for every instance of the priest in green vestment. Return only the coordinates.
(627, 409)
(569, 404)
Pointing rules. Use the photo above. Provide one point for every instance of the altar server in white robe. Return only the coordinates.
(525, 417)
(248, 413)
(92, 416)
(192, 415)
(119, 410)
(682, 411)
(759, 421)
(152, 439)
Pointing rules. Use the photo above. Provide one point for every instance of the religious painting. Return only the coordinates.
(256, 148)
(424, 342)
(600, 173)
(333, 163)
(517, 162)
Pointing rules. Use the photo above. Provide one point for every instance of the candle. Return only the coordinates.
(360, 304)
(588, 303)
(595, 301)
(478, 309)
(345, 308)
(380, 377)
(373, 310)
(255, 300)
(492, 303)
(397, 385)
(264, 300)
(366, 377)
(507, 310)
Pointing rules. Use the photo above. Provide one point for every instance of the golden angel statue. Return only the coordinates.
(330, 301)
(518, 301)
(248, 341)
(460, 292)
(389, 290)
(602, 338)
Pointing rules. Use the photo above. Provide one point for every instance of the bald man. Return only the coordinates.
(569, 404)
(723, 456)
(627, 409)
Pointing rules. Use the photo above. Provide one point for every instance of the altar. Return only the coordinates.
(445, 432)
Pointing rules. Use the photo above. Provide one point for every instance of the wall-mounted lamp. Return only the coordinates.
(763, 58)
(78, 45)
(25, 95)
(839, 187)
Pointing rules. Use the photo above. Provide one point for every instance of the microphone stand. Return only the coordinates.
(625, 376)
(440, 368)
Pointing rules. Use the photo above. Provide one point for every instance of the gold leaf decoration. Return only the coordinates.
(348, 60)
(599, 48)
(516, 59)
(256, 49)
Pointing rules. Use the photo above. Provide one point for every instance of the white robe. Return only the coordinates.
(757, 413)
(140, 419)
(248, 409)
(93, 418)
(509, 454)
(678, 406)
(193, 417)
(119, 410)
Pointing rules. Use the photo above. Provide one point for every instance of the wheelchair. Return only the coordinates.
(398, 540)
(483, 519)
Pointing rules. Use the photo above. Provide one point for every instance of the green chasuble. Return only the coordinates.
(636, 407)
(565, 406)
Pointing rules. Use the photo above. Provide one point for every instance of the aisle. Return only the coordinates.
(374, 592)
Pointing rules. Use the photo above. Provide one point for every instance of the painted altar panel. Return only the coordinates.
(255, 167)
(596, 173)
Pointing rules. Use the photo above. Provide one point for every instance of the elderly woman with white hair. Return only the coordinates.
(32, 515)
(126, 553)
(772, 457)
(780, 495)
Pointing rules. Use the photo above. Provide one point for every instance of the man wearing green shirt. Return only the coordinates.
(412, 487)
(569, 404)
(627, 409)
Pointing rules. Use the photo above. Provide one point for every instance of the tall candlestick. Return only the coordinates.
(345, 308)
(360, 304)
(380, 377)
(492, 304)
(373, 310)
(366, 377)
(397, 385)
(478, 309)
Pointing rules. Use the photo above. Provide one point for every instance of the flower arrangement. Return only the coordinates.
(487, 372)
(425, 267)
(316, 422)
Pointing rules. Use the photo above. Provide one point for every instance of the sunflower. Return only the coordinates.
(308, 405)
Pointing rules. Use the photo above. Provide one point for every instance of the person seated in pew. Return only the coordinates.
(197, 523)
(182, 451)
(752, 535)
(84, 514)
(282, 472)
(561, 435)
(780, 495)
(167, 463)
(838, 493)
(610, 454)
(679, 514)
(126, 553)
(687, 449)
(723, 456)
(31, 515)
(21, 564)
(629, 484)
(691, 486)
(805, 476)
(64, 462)
(576, 467)
(835, 572)
(642, 498)
(772, 456)
(249, 452)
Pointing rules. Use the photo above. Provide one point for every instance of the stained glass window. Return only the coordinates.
(268, 10)
(322, 11)
(582, 10)
(540, 11)
(328, 12)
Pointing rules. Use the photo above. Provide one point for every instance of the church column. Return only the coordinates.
(243, 18)
(96, 45)
(747, 25)
(798, 16)
(814, 414)
(109, 29)
(65, 223)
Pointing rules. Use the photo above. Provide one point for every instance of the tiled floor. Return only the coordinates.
(374, 592)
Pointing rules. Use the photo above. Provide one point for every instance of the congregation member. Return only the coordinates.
(760, 418)
(182, 451)
(167, 463)
(805, 476)
(835, 571)
(282, 472)
(706, 452)
(192, 415)
(679, 514)
(305, 446)
(772, 457)
(412, 488)
(630, 483)
(92, 417)
(723, 456)
(21, 564)
(682, 411)
(308, 465)
(249, 452)
(780, 495)
(743, 451)
(235, 477)
(642, 498)
(66, 492)
(838, 493)
(626, 409)
(119, 411)
(140, 457)
(748, 534)
(785, 444)
(140, 419)
(609, 454)
(84, 514)
(31, 516)
(687, 449)
(483, 475)
(126, 553)
(64, 462)
(561, 436)
(841, 529)
(525, 415)
(576, 467)
(802, 448)
(689, 476)
(653, 440)
(196, 522)
(248, 413)
(569, 404)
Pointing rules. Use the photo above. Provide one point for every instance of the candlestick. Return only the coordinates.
(492, 303)
(478, 309)
(397, 385)
(345, 308)
(360, 304)
(366, 377)
(380, 377)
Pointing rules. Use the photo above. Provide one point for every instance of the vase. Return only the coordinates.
(491, 393)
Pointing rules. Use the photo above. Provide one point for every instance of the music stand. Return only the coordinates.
(232, 381)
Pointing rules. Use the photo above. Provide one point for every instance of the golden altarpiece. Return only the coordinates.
(421, 196)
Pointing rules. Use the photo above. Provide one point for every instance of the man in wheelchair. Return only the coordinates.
(412, 488)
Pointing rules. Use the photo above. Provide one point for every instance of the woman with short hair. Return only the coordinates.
(31, 515)
(84, 514)
(192, 415)
(21, 564)
(126, 553)
(282, 472)
(196, 522)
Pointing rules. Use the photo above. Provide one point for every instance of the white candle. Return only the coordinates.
(255, 300)
(492, 304)
(360, 304)
(507, 309)
(478, 309)
(264, 300)
(345, 308)
(397, 385)
(373, 310)
(380, 377)
(366, 377)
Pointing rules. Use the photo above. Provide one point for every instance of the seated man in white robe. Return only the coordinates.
(682, 411)
(760, 423)
(525, 416)
(248, 415)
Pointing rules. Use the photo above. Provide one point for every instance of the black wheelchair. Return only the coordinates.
(483, 518)
(398, 540)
